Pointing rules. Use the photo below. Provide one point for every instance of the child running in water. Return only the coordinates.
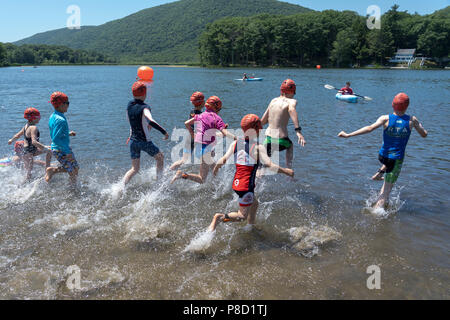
(141, 121)
(31, 145)
(60, 134)
(198, 101)
(277, 116)
(397, 130)
(247, 156)
(207, 125)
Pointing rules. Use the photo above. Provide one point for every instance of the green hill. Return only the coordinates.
(167, 33)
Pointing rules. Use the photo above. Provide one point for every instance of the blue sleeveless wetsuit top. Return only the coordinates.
(396, 137)
(135, 111)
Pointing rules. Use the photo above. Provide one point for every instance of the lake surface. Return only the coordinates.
(148, 241)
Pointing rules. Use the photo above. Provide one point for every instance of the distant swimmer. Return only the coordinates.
(278, 113)
(60, 134)
(347, 90)
(247, 157)
(198, 101)
(31, 145)
(207, 125)
(141, 122)
(397, 130)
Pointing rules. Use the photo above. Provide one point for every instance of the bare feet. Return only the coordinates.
(178, 175)
(219, 217)
(49, 174)
(379, 176)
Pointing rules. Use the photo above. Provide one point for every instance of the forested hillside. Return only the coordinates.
(167, 33)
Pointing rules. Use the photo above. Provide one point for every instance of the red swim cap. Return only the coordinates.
(18, 147)
(32, 114)
(251, 121)
(197, 98)
(139, 89)
(401, 102)
(289, 87)
(214, 103)
(58, 99)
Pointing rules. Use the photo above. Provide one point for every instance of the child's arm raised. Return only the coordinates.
(265, 160)
(381, 121)
(419, 128)
(225, 158)
(16, 136)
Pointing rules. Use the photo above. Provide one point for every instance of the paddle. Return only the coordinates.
(330, 87)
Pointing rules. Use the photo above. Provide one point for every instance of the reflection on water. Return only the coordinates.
(314, 237)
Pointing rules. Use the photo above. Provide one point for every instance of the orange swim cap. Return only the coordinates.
(214, 103)
(288, 86)
(251, 121)
(401, 102)
(197, 98)
(57, 99)
(32, 114)
(139, 89)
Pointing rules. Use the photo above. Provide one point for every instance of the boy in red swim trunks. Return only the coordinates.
(247, 154)
(207, 125)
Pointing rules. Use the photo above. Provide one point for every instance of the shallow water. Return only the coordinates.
(314, 238)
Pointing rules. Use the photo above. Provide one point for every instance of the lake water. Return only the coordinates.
(148, 242)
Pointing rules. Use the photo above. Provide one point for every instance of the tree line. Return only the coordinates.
(48, 54)
(330, 38)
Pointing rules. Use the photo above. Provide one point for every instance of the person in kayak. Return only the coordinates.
(247, 156)
(245, 77)
(31, 145)
(397, 130)
(206, 124)
(347, 90)
(141, 122)
(60, 134)
(277, 115)
(198, 101)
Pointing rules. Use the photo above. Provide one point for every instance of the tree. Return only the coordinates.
(3, 56)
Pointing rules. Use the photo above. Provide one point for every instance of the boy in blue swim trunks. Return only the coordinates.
(397, 130)
(60, 134)
(141, 122)
(198, 101)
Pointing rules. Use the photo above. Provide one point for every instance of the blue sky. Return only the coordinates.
(21, 19)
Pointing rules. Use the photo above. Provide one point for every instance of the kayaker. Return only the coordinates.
(346, 90)
(277, 115)
(397, 130)
(245, 77)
